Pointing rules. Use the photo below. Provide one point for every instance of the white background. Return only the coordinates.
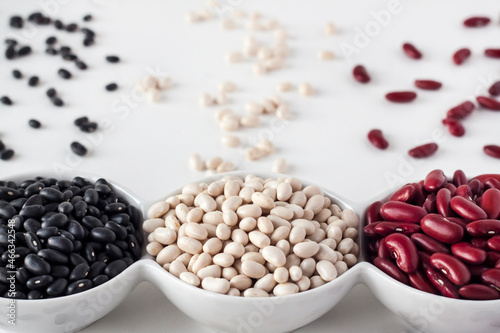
(146, 146)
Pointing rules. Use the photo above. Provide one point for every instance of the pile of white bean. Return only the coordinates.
(252, 237)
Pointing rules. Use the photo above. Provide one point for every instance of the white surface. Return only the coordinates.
(147, 146)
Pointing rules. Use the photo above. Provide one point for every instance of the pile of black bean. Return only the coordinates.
(61, 237)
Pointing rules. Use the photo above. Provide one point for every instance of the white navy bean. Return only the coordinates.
(231, 141)
(158, 209)
(216, 285)
(168, 254)
(235, 249)
(185, 258)
(326, 270)
(282, 212)
(297, 234)
(278, 221)
(233, 292)
(306, 249)
(176, 268)
(246, 194)
(284, 86)
(190, 278)
(345, 245)
(316, 281)
(213, 163)
(241, 282)
(298, 198)
(287, 288)
(153, 248)
(212, 246)
(247, 224)
(253, 269)
(214, 218)
(255, 292)
(323, 215)
(223, 259)
(254, 256)
(249, 210)
(274, 255)
(279, 234)
(265, 225)
(350, 218)
(165, 236)
(259, 239)
(189, 245)
(280, 275)
(210, 271)
(317, 236)
(350, 259)
(239, 236)
(295, 273)
(223, 231)
(341, 267)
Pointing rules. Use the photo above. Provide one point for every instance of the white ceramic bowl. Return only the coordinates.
(222, 313)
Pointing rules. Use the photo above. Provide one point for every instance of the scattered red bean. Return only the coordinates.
(401, 96)
(488, 103)
(411, 51)
(455, 127)
(428, 84)
(477, 22)
(461, 110)
(360, 74)
(423, 150)
(434, 180)
(495, 89)
(461, 55)
(492, 53)
(376, 138)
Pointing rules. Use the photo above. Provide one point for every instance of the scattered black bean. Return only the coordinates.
(6, 154)
(33, 81)
(10, 42)
(16, 22)
(88, 32)
(70, 57)
(6, 100)
(51, 40)
(57, 101)
(112, 59)
(72, 27)
(81, 65)
(78, 148)
(87, 18)
(2, 145)
(111, 87)
(51, 92)
(34, 123)
(51, 51)
(65, 74)
(65, 49)
(24, 50)
(80, 121)
(89, 127)
(58, 25)
(17, 74)
(10, 53)
(87, 41)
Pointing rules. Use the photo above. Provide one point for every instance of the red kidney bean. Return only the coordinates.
(429, 244)
(459, 177)
(442, 229)
(420, 281)
(484, 228)
(461, 55)
(425, 259)
(404, 194)
(373, 249)
(398, 211)
(461, 111)
(467, 209)
(481, 243)
(495, 89)
(372, 213)
(411, 51)
(430, 204)
(477, 270)
(451, 187)
(423, 150)
(476, 187)
(428, 84)
(454, 269)
(494, 243)
(457, 220)
(490, 203)
(443, 198)
(383, 251)
(376, 138)
(434, 180)
(488, 103)
(492, 150)
(492, 278)
(492, 259)
(497, 265)
(484, 177)
(478, 292)
(401, 96)
(419, 197)
(492, 53)
(469, 253)
(492, 183)
(455, 127)
(369, 230)
(389, 268)
(360, 74)
(404, 251)
(476, 21)
(386, 228)
(464, 191)
(445, 287)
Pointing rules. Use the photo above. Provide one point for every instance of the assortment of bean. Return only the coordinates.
(252, 237)
(61, 237)
(440, 235)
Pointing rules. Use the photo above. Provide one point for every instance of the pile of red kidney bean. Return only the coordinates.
(440, 236)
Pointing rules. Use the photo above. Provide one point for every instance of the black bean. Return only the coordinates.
(18, 203)
(32, 211)
(18, 222)
(114, 268)
(72, 27)
(57, 288)
(36, 265)
(76, 259)
(7, 193)
(100, 279)
(10, 42)
(87, 18)
(93, 211)
(34, 123)
(23, 275)
(6, 100)
(60, 243)
(32, 225)
(51, 194)
(79, 286)
(33, 194)
(89, 127)
(97, 268)
(2, 146)
(17, 74)
(7, 211)
(115, 208)
(65, 74)
(4, 275)
(89, 253)
(33, 81)
(39, 282)
(113, 251)
(77, 246)
(79, 272)
(16, 295)
(111, 87)
(51, 40)
(134, 246)
(76, 229)
(91, 222)
(98, 247)
(32, 241)
(88, 41)
(16, 22)
(36, 294)
(91, 196)
(68, 235)
(25, 50)
(81, 182)
(120, 231)
(35, 16)
(48, 232)
(70, 57)
(81, 121)
(112, 59)
(127, 257)
(81, 65)
(10, 53)
(65, 207)
(53, 256)
(78, 148)
(6, 154)
(102, 235)
(57, 101)
(57, 220)
(76, 191)
(58, 25)
(60, 271)
(51, 51)
(88, 32)
(80, 208)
